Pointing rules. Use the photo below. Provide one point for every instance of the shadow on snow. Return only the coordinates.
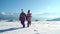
(10, 29)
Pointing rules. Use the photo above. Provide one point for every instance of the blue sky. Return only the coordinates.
(44, 9)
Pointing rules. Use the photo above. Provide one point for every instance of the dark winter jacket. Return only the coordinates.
(22, 17)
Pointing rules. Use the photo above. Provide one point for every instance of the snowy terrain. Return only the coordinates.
(39, 27)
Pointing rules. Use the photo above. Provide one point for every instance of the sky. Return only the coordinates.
(43, 9)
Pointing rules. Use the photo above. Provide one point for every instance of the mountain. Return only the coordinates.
(15, 16)
(9, 17)
(56, 19)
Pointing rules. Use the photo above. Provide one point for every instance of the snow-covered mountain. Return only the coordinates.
(56, 19)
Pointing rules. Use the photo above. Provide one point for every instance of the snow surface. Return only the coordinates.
(39, 27)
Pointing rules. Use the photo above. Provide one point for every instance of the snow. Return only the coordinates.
(37, 27)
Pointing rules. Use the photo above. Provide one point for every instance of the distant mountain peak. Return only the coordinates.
(56, 19)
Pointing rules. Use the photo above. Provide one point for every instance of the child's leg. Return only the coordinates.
(22, 22)
(29, 23)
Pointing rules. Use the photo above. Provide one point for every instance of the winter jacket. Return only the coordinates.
(28, 17)
(22, 17)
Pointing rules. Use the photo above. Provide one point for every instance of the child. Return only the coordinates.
(28, 18)
(22, 18)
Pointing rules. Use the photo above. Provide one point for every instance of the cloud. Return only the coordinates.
(11, 14)
(3, 13)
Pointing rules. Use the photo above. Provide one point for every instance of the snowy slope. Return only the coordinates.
(40, 27)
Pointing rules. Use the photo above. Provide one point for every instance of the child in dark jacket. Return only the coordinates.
(22, 18)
